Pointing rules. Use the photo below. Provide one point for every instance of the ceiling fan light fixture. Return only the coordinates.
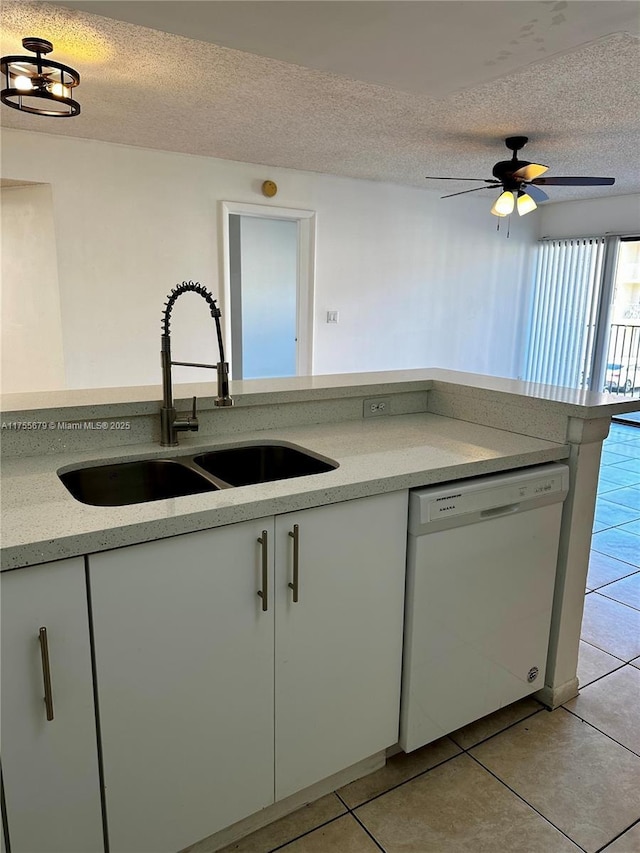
(521, 181)
(504, 204)
(525, 203)
(36, 85)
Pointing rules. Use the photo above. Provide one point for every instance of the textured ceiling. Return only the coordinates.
(387, 91)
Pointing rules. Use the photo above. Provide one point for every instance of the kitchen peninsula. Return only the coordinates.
(437, 426)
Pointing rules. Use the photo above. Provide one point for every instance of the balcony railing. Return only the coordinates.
(622, 375)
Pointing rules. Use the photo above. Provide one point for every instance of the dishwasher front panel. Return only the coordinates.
(478, 613)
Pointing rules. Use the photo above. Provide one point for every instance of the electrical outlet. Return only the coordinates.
(375, 407)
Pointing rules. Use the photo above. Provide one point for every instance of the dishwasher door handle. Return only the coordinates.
(509, 509)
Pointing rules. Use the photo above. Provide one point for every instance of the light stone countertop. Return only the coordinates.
(42, 522)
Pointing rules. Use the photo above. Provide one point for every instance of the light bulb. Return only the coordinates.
(525, 203)
(504, 205)
(58, 90)
(23, 83)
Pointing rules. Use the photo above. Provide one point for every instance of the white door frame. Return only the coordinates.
(306, 220)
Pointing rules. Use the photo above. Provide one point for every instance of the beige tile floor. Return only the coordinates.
(523, 780)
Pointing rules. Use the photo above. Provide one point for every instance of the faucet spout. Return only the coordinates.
(170, 423)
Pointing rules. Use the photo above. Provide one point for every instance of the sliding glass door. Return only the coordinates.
(622, 371)
(584, 329)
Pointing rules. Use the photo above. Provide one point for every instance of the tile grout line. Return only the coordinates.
(617, 526)
(303, 834)
(611, 654)
(621, 506)
(602, 496)
(371, 836)
(600, 677)
(608, 583)
(615, 600)
(400, 784)
(603, 849)
(526, 802)
(462, 749)
(587, 723)
(631, 606)
(604, 554)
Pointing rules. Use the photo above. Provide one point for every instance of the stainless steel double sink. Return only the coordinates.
(142, 480)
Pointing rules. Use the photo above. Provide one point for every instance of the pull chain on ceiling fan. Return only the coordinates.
(520, 181)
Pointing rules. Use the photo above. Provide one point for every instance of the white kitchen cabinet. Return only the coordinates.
(339, 647)
(50, 767)
(188, 672)
(184, 665)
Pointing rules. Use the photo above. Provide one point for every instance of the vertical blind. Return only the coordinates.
(564, 311)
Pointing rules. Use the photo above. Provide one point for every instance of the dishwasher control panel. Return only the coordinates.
(484, 497)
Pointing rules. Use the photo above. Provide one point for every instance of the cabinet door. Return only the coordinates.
(184, 666)
(49, 767)
(339, 647)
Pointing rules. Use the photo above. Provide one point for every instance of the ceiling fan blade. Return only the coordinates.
(535, 193)
(531, 171)
(477, 180)
(574, 182)
(474, 190)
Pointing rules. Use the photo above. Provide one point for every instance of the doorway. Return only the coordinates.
(268, 259)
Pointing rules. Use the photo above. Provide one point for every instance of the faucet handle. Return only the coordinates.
(192, 420)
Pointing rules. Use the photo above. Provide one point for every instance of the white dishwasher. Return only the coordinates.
(481, 568)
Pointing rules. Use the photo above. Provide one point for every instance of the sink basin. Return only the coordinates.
(141, 480)
(261, 463)
(126, 483)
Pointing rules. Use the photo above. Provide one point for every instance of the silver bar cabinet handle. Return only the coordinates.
(295, 586)
(46, 672)
(264, 592)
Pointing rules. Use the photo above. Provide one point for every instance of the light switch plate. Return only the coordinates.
(332, 316)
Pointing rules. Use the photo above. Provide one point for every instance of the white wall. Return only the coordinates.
(593, 217)
(32, 356)
(417, 281)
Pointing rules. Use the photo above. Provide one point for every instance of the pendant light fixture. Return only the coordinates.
(36, 85)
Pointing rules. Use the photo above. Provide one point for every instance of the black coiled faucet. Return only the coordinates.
(170, 423)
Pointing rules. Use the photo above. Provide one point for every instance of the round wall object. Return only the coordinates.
(269, 188)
